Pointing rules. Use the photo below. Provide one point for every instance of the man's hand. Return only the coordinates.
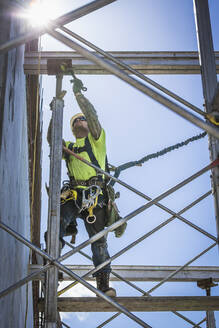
(78, 86)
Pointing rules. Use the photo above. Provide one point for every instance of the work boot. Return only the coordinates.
(102, 280)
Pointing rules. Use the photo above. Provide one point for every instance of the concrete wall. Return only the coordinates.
(14, 182)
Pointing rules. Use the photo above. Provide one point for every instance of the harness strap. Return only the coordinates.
(90, 153)
(76, 150)
(94, 181)
(87, 147)
(70, 146)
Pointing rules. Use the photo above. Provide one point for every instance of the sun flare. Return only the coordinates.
(39, 13)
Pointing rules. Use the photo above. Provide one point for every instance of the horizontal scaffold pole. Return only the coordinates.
(131, 70)
(145, 62)
(112, 68)
(30, 277)
(143, 272)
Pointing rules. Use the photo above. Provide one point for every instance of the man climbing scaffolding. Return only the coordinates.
(86, 194)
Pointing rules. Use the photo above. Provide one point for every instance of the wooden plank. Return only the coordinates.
(145, 273)
(138, 304)
(164, 62)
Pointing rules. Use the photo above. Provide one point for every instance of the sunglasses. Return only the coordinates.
(81, 118)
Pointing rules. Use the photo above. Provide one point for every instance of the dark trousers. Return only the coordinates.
(69, 213)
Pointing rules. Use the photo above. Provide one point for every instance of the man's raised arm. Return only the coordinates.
(88, 110)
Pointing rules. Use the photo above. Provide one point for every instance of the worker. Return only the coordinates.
(85, 195)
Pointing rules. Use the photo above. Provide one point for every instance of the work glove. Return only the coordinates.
(120, 230)
(78, 86)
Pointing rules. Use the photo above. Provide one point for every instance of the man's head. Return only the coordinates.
(79, 125)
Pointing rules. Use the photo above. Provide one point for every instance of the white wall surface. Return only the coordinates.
(14, 191)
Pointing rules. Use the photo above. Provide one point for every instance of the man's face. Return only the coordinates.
(80, 126)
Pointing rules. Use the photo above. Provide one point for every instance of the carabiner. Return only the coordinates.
(91, 219)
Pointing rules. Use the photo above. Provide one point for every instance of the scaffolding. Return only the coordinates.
(205, 62)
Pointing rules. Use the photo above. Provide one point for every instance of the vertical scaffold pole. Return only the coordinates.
(209, 83)
(54, 206)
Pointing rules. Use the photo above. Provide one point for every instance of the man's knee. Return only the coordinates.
(62, 242)
(72, 228)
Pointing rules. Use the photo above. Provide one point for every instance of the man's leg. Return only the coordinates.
(68, 224)
(100, 251)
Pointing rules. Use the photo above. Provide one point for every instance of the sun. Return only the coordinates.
(40, 12)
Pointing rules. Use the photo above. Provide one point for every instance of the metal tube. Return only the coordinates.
(182, 267)
(210, 319)
(134, 243)
(209, 84)
(161, 62)
(62, 20)
(73, 275)
(137, 84)
(174, 312)
(65, 325)
(188, 320)
(178, 215)
(109, 320)
(128, 282)
(133, 71)
(23, 281)
(199, 323)
(80, 252)
(138, 211)
(54, 206)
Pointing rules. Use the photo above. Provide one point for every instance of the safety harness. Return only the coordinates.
(87, 147)
(91, 193)
(93, 186)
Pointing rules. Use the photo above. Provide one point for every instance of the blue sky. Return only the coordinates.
(136, 126)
